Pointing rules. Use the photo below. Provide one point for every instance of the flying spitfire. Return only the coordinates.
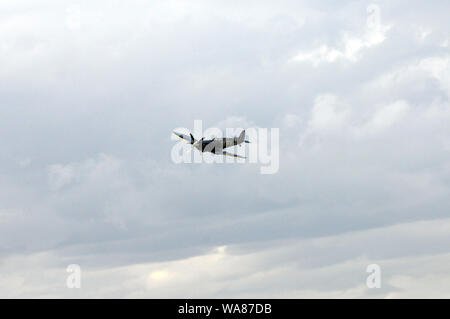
(215, 145)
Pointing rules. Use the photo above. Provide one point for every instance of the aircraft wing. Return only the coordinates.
(232, 155)
(184, 137)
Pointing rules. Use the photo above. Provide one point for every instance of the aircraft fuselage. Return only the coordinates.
(216, 145)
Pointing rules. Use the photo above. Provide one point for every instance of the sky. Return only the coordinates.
(90, 92)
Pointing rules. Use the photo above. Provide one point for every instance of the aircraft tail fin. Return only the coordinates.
(241, 137)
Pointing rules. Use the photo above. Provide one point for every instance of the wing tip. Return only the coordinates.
(179, 135)
(233, 155)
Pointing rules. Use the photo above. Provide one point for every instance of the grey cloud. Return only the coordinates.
(86, 174)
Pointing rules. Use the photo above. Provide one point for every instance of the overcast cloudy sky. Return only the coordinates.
(90, 92)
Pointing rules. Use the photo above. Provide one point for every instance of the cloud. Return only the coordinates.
(291, 269)
(350, 45)
(388, 115)
(89, 101)
(328, 113)
(60, 175)
(383, 118)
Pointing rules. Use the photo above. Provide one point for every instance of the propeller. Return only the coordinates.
(194, 142)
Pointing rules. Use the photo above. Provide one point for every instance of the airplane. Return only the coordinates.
(215, 145)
